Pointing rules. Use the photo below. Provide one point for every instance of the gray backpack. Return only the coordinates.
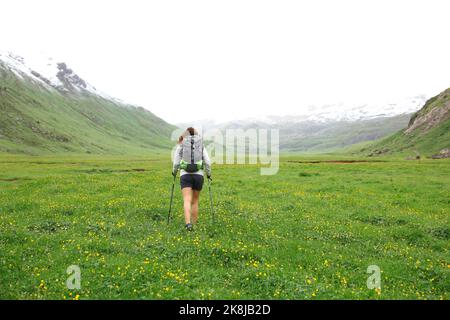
(192, 159)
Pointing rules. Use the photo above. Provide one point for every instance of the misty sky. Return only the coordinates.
(187, 60)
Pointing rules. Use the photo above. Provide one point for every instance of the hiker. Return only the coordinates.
(191, 157)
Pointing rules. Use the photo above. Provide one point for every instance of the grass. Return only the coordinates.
(309, 232)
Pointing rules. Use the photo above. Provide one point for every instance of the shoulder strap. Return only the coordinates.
(192, 151)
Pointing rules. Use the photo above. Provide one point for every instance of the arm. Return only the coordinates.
(177, 159)
(207, 162)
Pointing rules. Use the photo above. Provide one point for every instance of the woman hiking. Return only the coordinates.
(191, 157)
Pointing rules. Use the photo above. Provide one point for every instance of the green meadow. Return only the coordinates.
(309, 232)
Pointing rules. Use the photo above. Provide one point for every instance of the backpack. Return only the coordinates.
(192, 159)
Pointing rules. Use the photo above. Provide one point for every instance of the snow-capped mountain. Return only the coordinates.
(343, 112)
(48, 72)
(324, 114)
(327, 127)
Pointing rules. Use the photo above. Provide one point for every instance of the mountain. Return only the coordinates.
(328, 128)
(47, 108)
(332, 135)
(349, 113)
(427, 133)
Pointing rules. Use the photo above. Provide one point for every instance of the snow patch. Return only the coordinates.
(44, 70)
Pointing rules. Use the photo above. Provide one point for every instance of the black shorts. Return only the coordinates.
(194, 181)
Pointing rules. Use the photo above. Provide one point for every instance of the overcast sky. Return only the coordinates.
(187, 60)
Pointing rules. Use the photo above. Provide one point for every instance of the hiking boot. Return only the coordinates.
(189, 227)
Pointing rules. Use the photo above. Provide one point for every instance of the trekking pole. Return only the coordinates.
(211, 201)
(171, 199)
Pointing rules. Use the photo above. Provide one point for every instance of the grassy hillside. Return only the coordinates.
(428, 131)
(35, 120)
(319, 137)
